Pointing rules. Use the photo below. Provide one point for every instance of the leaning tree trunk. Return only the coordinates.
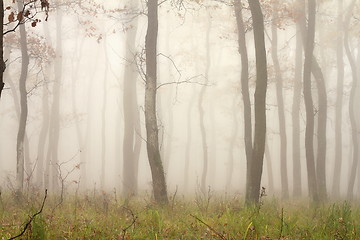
(354, 132)
(297, 184)
(339, 102)
(257, 158)
(23, 108)
(309, 132)
(130, 111)
(201, 112)
(244, 86)
(152, 143)
(281, 108)
(2, 63)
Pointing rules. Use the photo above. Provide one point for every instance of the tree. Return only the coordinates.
(309, 132)
(201, 111)
(300, 20)
(131, 142)
(244, 86)
(339, 101)
(354, 129)
(20, 170)
(152, 143)
(280, 100)
(2, 62)
(257, 158)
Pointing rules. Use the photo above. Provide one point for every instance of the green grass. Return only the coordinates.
(103, 217)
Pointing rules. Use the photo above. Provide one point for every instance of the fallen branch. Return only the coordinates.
(31, 218)
(134, 218)
(221, 236)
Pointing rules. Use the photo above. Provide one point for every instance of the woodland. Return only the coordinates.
(179, 119)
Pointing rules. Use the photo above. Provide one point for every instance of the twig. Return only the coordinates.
(134, 218)
(211, 228)
(31, 218)
(282, 223)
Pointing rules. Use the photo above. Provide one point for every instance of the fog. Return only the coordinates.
(83, 50)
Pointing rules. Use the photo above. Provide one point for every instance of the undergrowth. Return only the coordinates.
(99, 216)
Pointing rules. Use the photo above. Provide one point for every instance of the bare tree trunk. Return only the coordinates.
(130, 161)
(297, 184)
(153, 151)
(23, 108)
(244, 86)
(2, 63)
(339, 101)
(257, 158)
(201, 112)
(281, 108)
(103, 119)
(354, 130)
(309, 133)
(54, 130)
(43, 133)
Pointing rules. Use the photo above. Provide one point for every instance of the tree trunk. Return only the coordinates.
(244, 86)
(54, 130)
(281, 108)
(2, 63)
(103, 118)
(257, 158)
(309, 132)
(201, 111)
(130, 161)
(339, 101)
(354, 132)
(23, 108)
(297, 184)
(152, 143)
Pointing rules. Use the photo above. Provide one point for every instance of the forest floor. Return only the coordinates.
(104, 216)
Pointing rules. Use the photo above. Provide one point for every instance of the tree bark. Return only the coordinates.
(152, 143)
(281, 108)
(309, 132)
(244, 86)
(339, 101)
(20, 150)
(130, 160)
(297, 183)
(355, 141)
(257, 158)
(2, 62)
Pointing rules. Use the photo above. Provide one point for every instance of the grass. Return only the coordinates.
(100, 216)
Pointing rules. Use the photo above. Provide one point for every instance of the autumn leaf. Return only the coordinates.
(20, 16)
(33, 24)
(11, 17)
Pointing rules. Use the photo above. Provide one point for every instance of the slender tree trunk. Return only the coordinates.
(244, 86)
(257, 158)
(2, 63)
(201, 112)
(54, 130)
(153, 151)
(309, 132)
(354, 131)
(130, 161)
(281, 108)
(297, 184)
(339, 101)
(23, 108)
(43, 132)
(188, 140)
(103, 119)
